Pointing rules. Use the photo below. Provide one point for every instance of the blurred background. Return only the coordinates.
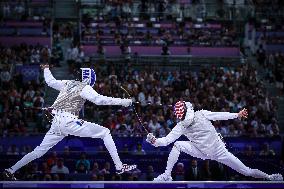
(221, 55)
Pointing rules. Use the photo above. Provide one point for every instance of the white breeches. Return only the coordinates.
(64, 124)
(221, 154)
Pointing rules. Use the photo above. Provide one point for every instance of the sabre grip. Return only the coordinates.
(151, 138)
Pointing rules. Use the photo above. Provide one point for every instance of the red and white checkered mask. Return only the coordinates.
(179, 109)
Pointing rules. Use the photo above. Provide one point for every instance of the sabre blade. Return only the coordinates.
(139, 119)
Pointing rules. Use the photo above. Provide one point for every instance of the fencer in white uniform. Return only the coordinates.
(65, 111)
(204, 142)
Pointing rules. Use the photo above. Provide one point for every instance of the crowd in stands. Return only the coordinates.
(160, 9)
(62, 31)
(22, 10)
(215, 89)
(274, 68)
(14, 10)
(19, 18)
(116, 29)
(272, 8)
(177, 35)
(211, 88)
(20, 101)
(270, 54)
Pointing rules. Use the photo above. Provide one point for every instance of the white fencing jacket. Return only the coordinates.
(197, 127)
(73, 95)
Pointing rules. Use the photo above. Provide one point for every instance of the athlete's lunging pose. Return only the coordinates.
(204, 142)
(65, 110)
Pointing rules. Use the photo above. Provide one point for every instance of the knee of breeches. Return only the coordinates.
(106, 132)
(39, 151)
(177, 145)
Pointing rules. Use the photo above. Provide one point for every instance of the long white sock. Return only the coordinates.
(230, 160)
(24, 161)
(258, 174)
(110, 145)
(172, 159)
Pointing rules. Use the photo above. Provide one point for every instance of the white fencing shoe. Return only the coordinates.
(163, 177)
(126, 168)
(276, 177)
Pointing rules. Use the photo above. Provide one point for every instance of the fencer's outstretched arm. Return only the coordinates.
(171, 137)
(224, 115)
(50, 80)
(90, 94)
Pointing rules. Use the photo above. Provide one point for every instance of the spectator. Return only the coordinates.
(13, 150)
(194, 171)
(6, 10)
(164, 130)
(154, 125)
(5, 78)
(30, 92)
(139, 150)
(179, 173)
(266, 151)
(60, 168)
(95, 170)
(159, 41)
(51, 161)
(83, 161)
(220, 171)
(81, 168)
(206, 172)
(142, 98)
(248, 152)
(272, 128)
(19, 10)
(150, 173)
(106, 171)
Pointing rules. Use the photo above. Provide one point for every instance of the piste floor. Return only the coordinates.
(141, 184)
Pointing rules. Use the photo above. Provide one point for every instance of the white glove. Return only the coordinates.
(151, 139)
(126, 102)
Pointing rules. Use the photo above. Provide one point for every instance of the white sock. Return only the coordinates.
(258, 174)
(172, 159)
(24, 161)
(110, 145)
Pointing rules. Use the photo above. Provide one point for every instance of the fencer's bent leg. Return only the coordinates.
(181, 146)
(227, 158)
(48, 142)
(93, 130)
(110, 145)
(172, 159)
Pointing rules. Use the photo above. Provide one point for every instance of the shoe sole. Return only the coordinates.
(134, 167)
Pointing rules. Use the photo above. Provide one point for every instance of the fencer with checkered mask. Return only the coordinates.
(203, 140)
